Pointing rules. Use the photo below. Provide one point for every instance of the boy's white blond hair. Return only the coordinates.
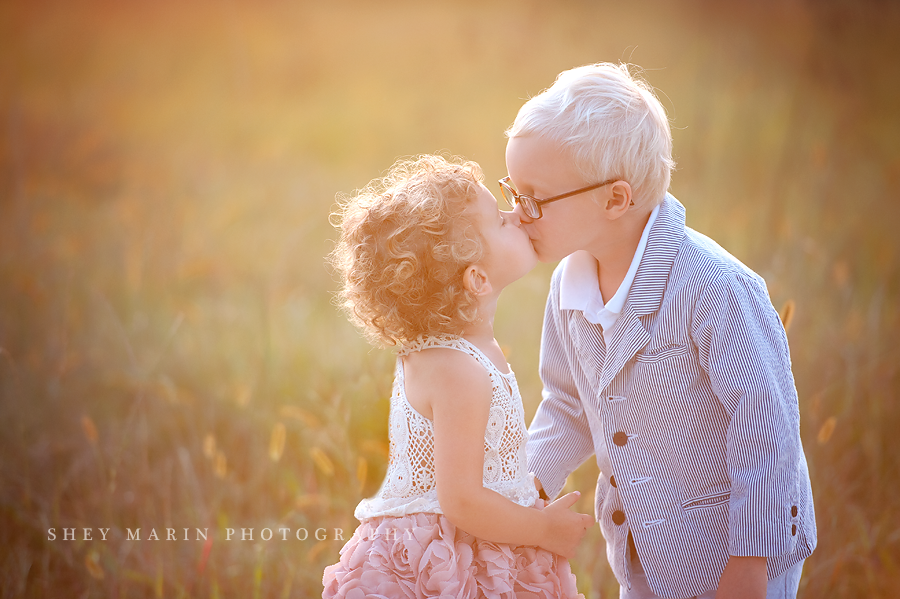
(611, 123)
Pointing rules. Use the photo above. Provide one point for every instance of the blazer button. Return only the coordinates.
(618, 517)
(793, 527)
(612, 480)
(620, 439)
(794, 511)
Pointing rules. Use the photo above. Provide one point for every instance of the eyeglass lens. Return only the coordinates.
(508, 195)
(512, 198)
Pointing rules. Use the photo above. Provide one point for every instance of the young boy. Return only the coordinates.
(661, 355)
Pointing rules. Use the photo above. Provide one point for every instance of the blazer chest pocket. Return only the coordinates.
(662, 353)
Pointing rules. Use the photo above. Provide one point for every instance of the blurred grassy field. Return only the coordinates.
(169, 354)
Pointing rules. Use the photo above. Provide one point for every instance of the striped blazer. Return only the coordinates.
(692, 415)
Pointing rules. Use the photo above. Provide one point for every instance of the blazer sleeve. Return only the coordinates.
(559, 436)
(743, 348)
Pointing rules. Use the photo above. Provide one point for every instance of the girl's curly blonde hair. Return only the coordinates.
(405, 242)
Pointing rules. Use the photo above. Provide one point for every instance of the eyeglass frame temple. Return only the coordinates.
(563, 196)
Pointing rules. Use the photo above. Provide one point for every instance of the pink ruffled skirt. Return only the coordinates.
(425, 555)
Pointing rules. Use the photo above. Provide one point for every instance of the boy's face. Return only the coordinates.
(539, 167)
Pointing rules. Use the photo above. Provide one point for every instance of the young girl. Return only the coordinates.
(424, 253)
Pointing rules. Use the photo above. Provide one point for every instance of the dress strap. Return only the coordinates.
(450, 342)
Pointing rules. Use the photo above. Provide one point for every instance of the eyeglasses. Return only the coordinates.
(531, 206)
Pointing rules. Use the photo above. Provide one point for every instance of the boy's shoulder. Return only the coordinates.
(702, 257)
(679, 261)
(698, 256)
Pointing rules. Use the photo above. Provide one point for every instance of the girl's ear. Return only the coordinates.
(475, 279)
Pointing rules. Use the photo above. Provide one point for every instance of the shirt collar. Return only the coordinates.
(580, 286)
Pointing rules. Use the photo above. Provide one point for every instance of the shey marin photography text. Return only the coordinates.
(201, 534)
(204, 534)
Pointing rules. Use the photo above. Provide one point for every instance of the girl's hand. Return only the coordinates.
(565, 527)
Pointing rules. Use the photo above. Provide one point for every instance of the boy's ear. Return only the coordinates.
(619, 199)
(475, 279)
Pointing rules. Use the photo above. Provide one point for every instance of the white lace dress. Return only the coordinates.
(406, 548)
(409, 485)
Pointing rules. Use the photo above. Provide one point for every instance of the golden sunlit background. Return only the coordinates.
(169, 353)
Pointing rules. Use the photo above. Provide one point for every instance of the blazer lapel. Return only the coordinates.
(646, 293)
(588, 344)
(629, 337)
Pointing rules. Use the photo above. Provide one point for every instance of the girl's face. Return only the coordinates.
(509, 254)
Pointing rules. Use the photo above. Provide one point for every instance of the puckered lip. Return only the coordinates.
(527, 229)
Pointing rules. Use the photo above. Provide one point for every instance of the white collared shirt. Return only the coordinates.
(580, 285)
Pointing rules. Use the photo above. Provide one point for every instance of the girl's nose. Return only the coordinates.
(521, 217)
(513, 218)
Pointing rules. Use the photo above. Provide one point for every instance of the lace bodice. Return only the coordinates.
(409, 484)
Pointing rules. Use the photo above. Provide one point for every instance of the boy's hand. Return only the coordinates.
(565, 528)
(743, 578)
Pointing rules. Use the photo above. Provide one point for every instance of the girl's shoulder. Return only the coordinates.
(479, 354)
(444, 371)
(434, 341)
(443, 365)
